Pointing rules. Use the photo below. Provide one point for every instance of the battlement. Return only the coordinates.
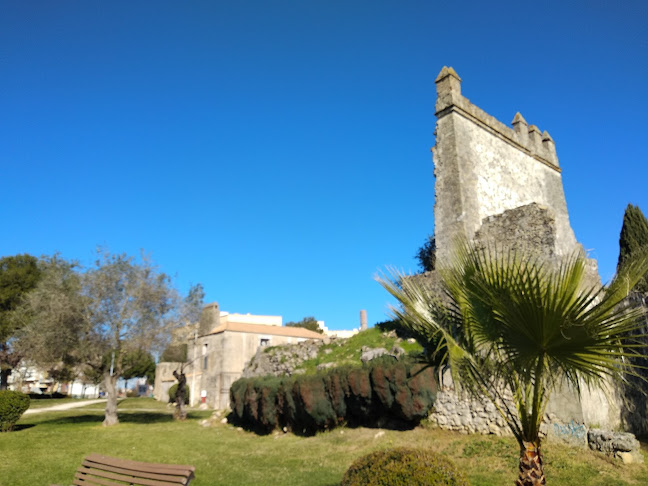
(484, 168)
(523, 136)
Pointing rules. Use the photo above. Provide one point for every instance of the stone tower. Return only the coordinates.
(484, 170)
(501, 185)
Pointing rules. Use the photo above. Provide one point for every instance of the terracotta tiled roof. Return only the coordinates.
(297, 332)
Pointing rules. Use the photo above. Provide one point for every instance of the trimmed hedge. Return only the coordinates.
(385, 392)
(412, 467)
(12, 405)
(172, 394)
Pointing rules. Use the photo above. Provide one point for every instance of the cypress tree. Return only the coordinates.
(633, 239)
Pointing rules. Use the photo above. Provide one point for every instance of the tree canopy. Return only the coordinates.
(633, 240)
(106, 318)
(309, 323)
(18, 275)
(426, 255)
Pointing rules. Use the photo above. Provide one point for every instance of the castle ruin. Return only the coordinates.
(501, 185)
(484, 168)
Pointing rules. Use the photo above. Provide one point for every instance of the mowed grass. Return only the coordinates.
(50, 402)
(48, 447)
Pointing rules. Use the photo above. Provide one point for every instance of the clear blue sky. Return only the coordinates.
(278, 152)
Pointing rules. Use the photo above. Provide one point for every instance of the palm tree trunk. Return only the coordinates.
(531, 465)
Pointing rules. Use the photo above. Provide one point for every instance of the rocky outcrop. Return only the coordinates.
(283, 360)
(369, 354)
(620, 445)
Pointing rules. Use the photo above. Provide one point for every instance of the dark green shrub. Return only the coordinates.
(359, 401)
(336, 384)
(423, 387)
(402, 466)
(12, 405)
(286, 408)
(314, 410)
(237, 391)
(267, 391)
(386, 392)
(172, 394)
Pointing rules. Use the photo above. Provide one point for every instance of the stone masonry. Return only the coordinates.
(500, 185)
(484, 168)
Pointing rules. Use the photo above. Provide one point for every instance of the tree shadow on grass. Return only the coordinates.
(19, 427)
(124, 418)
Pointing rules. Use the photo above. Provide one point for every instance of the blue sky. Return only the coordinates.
(278, 152)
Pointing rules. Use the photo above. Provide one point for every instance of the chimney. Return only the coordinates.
(209, 319)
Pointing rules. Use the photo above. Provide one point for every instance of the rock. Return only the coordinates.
(397, 352)
(223, 420)
(371, 353)
(626, 457)
(324, 366)
(621, 445)
(283, 360)
(411, 340)
(379, 434)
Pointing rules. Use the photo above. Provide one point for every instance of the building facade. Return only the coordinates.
(222, 345)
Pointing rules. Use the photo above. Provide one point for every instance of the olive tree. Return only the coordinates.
(97, 317)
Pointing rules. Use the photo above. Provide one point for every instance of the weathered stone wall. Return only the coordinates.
(469, 415)
(484, 168)
(499, 185)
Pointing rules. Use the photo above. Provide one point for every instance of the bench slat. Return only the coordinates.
(137, 465)
(100, 470)
(174, 476)
(121, 479)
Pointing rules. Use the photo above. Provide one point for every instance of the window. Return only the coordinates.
(265, 341)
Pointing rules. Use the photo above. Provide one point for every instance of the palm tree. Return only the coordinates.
(510, 322)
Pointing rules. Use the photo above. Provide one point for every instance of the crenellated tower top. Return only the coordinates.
(527, 137)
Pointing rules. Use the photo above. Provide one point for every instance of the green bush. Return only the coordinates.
(386, 392)
(172, 394)
(12, 405)
(402, 466)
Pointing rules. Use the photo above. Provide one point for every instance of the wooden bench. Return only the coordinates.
(99, 470)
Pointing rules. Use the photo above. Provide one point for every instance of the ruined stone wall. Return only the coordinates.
(501, 185)
(484, 168)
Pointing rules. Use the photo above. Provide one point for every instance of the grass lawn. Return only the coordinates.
(50, 402)
(48, 447)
